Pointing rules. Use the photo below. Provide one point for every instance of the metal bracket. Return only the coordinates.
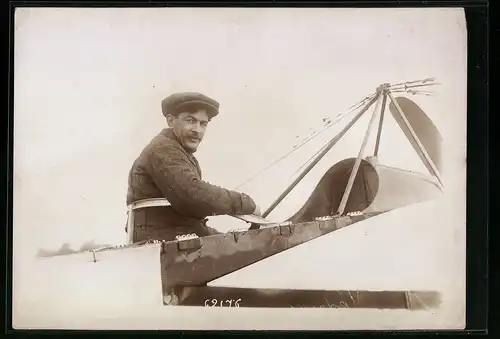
(236, 233)
(285, 230)
(356, 216)
(188, 242)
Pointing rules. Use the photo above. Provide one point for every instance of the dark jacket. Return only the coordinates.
(165, 170)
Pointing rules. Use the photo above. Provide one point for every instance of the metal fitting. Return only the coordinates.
(188, 242)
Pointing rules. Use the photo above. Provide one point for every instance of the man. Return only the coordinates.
(167, 168)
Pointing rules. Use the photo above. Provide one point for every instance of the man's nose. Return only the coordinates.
(197, 128)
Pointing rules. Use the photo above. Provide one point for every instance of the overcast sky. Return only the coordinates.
(88, 86)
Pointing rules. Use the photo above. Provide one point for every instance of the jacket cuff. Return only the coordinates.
(247, 204)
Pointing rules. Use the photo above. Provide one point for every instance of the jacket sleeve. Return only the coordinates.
(190, 196)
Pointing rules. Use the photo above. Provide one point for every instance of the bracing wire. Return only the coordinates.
(423, 81)
(427, 93)
(308, 160)
(397, 88)
(319, 150)
(404, 87)
(340, 118)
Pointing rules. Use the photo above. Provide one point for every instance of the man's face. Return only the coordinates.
(189, 127)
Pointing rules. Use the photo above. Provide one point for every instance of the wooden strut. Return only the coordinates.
(317, 159)
(381, 122)
(383, 91)
(355, 169)
(217, 297)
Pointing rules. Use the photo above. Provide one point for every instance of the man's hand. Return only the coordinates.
(257, 211)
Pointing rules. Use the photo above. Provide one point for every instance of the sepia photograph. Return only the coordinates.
(239, 168)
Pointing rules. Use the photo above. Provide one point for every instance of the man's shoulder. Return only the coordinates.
(161, 144)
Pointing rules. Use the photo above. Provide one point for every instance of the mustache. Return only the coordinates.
(194, 136)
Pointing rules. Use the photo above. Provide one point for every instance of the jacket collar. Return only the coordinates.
(169, 134)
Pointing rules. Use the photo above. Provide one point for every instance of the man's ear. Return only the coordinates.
(170, 120)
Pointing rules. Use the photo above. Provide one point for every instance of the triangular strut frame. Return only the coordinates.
(382, 92)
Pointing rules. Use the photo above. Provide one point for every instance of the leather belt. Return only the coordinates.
(139, 204)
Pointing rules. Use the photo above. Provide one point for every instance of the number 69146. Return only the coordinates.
(222, 303)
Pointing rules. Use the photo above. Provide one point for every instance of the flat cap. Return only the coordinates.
(187, 102)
